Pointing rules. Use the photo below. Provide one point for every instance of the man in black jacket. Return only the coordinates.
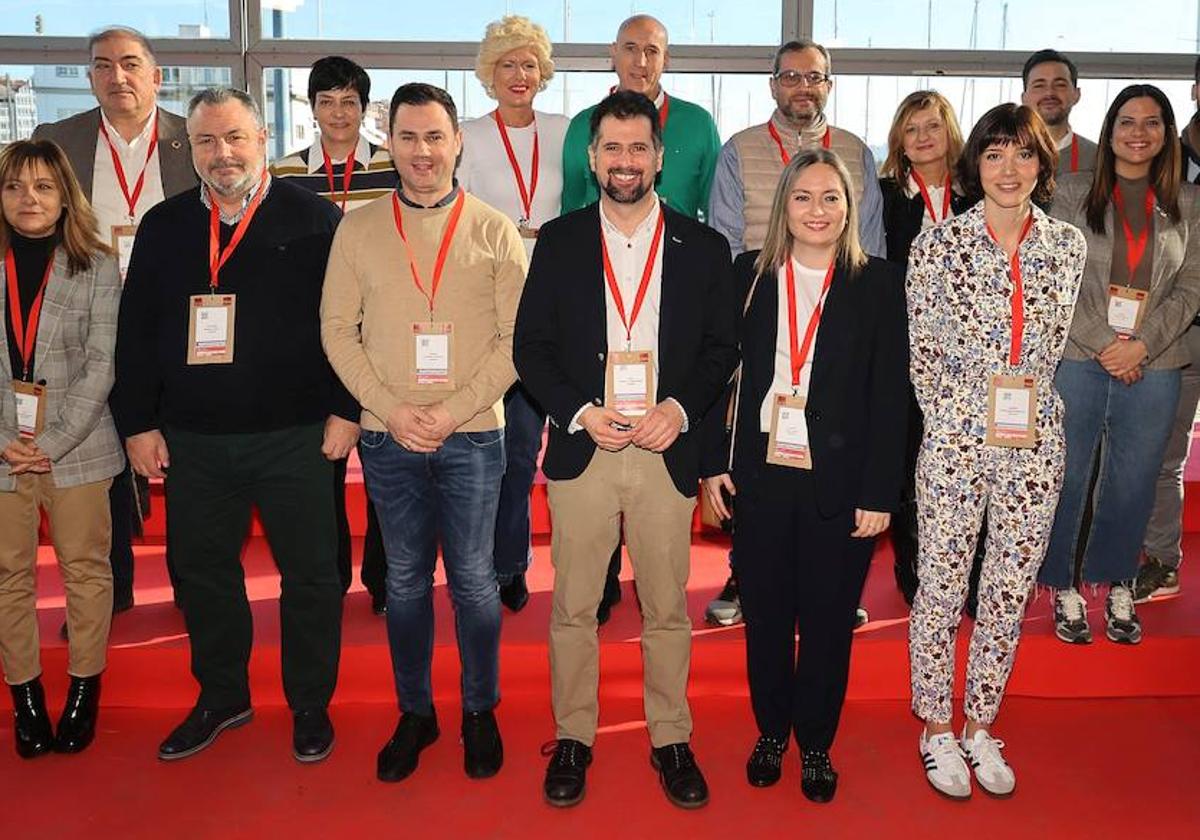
(626, 335)
(225, 392)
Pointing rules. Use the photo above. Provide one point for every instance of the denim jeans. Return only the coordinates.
(1131, 424)
(523, 423)
(449, 496)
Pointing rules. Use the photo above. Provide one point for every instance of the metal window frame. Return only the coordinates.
(246, 52)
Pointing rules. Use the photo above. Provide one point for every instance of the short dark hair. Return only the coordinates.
(1045, 57)
(1008, 125)
(1196, 70)
(419, 93)
(800, 45)
(626, 105)
(122, 32)
(333, 72)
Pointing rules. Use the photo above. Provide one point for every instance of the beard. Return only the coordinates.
(632, 194)
(229, 188)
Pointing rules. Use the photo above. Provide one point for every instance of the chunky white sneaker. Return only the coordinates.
(945, 767)
(991, 770)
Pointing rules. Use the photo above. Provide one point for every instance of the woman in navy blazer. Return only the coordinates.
(815, 481)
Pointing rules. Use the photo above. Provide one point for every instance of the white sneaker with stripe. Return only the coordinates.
(991, 770)
(945, 767)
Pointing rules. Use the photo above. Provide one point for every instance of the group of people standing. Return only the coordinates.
(816, 347)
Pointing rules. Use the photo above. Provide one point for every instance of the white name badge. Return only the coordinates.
(787, 445)
(1012, 407)
(211, 329)
(31, 407)
(122, 243)
(1125, 307)
(432, 355)
(629, 382)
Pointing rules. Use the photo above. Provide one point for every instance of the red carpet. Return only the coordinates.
(1086, 766)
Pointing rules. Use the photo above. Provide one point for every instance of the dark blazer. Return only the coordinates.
(560, 341)
(902, 217)
(857, 408)
(77, 136)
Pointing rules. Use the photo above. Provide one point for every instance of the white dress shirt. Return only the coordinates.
(107, 199)
(809, 282)
(937, 194)
(628, 256)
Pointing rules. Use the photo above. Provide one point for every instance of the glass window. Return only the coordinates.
(30, 95)
(1097, 25)
(566, 21)
(864, 105)
(867, 104)
(174, 19)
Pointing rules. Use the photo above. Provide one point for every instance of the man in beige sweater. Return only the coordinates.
(417, 319)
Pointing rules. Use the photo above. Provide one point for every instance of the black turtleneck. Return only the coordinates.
(31, 257)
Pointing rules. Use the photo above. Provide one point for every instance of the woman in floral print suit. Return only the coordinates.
(990, 298)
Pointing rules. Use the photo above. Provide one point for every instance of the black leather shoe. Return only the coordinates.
(566, 775)
(77, 726)
(765, 764)
(818, 779)
(680, 775)
(32, 732)
(398, 758)
(611, 596)
(199, 729)
(483, 751)
(312, 735)
(379, 603)
(515, 594)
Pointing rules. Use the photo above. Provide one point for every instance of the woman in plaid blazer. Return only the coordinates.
(57, 439)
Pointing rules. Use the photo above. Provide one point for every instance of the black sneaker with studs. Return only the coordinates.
(818, 779)
(765, 764)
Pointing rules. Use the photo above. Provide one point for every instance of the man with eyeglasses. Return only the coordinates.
(748, 172)
(129, 155)
(690, 140)
(1051, 87)
(753, 159)
(224, 391)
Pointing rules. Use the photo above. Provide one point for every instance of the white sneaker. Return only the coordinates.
(945, 767)
(991, 770)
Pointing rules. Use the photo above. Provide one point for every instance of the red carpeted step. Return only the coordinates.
(1072, 760)
(148, 661)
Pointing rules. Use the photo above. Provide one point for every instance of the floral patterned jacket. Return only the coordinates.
(960, 318)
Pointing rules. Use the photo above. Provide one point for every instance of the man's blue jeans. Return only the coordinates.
(1131, 424)
(448, 496)
(523, 423)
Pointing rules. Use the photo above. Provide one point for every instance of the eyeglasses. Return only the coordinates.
(791, 78)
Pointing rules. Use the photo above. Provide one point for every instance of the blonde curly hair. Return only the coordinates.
(510, 33)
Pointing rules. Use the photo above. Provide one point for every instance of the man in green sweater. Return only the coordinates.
(690, 141)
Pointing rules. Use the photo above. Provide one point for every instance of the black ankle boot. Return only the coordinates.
(31, 732)
(77, 726)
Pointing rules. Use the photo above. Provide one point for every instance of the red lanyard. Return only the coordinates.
(800, 350)
(645, 284)
(929, 202)
(1018, 293)
(826, 142)
(443, 249)
(347, 174)
(24, 334)
(131, 199)
(1135, 249)
(1074, 152)
(217, 256)
(526, 197)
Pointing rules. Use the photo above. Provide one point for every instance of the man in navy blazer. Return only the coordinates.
(626, 335)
